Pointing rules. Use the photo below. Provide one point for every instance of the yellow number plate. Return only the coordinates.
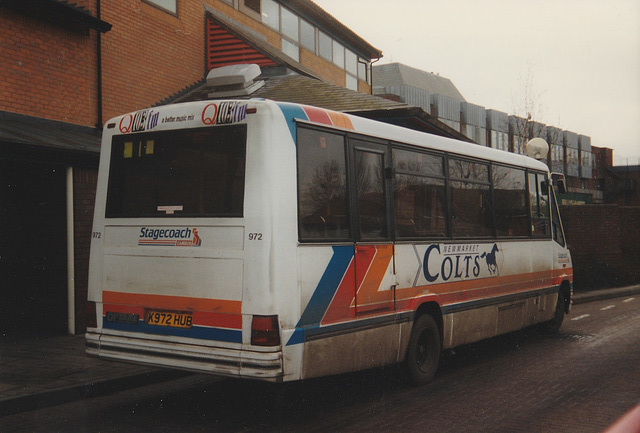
(169, 318)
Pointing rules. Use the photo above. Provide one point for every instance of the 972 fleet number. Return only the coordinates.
(255, 236)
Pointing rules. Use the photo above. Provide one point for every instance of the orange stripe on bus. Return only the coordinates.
(368, 291)
(465, 290)
(340, 120)
(173, 302)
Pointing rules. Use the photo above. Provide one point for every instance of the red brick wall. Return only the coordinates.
(604, 242)
(49, 72)
(149, 54)
(630, 230)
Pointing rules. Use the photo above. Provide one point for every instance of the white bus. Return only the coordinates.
(281, 242)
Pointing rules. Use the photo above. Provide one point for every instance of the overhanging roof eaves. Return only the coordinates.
(59, 12)
(36, 138)
(312, 12)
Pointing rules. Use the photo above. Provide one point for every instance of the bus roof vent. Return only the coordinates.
(234, 81)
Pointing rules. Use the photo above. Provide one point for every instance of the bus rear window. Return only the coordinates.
(181, 173)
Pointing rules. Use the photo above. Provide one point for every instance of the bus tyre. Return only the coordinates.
(553, 325)
(423, 353)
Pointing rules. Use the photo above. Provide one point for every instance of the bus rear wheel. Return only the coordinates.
(423, 352)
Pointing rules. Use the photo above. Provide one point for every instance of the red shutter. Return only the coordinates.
(225, 49)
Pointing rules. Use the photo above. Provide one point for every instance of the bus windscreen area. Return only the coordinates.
(179, 173)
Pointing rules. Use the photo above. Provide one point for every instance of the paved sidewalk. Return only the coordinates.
(44, 371)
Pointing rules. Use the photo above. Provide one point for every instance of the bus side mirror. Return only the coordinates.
(544, 187)
(560, 182)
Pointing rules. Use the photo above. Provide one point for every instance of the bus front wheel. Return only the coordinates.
(553, 325)
(423, 353)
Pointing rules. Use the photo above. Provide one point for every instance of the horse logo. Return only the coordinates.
(492, 263)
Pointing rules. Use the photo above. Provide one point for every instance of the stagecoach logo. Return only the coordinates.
(223, 113)
(461, 261)
(169, 237)
(139, 121)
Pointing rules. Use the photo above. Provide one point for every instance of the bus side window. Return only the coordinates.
(420, 195)
(558, 234)
(322, 185)
(539, 205)
(470, 192)
(510, 194)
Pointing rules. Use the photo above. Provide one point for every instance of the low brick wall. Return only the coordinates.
(605, 244)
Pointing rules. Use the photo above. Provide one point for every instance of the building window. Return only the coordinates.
(352, 83)
(271, 14)
(307, 36)
(351, 62)
(289, 25)
(291, 50)
(362, 70)
(338, 54)
(325, 48)
(296, 33)
(168, 5)
(251, 7)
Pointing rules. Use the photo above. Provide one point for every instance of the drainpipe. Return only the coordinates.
(99, 69)
(71, 287)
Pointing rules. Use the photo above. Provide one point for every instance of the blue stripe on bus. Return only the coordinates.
(301, 335)
(292, 112)
(324, 292)
(200, 332)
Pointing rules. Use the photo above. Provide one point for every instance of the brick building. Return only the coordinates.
(66, 68)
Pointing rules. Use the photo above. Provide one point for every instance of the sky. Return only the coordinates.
(577, 61)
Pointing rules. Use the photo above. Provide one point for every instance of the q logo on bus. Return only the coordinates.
(224, 113)
(139, 121)
(460, 262)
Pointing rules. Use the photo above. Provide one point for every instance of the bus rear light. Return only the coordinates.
(265, 331)
(92, 321)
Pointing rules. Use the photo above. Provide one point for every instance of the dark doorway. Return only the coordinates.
(33, 265)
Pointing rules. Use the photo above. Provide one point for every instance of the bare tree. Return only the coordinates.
(526, 122)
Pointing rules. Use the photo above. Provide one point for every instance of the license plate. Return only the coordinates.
(170, 318)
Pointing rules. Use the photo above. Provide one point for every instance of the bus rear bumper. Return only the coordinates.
(198, 358)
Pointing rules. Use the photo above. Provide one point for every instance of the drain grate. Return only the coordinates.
(572, 337)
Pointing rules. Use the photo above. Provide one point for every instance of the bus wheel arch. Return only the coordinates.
(565, 291)
(562, 307)
(425, 344)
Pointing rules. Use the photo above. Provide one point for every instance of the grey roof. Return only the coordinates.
(396, 74)
(310, 91)
(36, 138)
(300, 89)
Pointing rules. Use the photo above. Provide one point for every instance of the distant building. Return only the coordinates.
(570, 153)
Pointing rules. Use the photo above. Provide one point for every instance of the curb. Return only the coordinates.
(600, 295)
(78, 392)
